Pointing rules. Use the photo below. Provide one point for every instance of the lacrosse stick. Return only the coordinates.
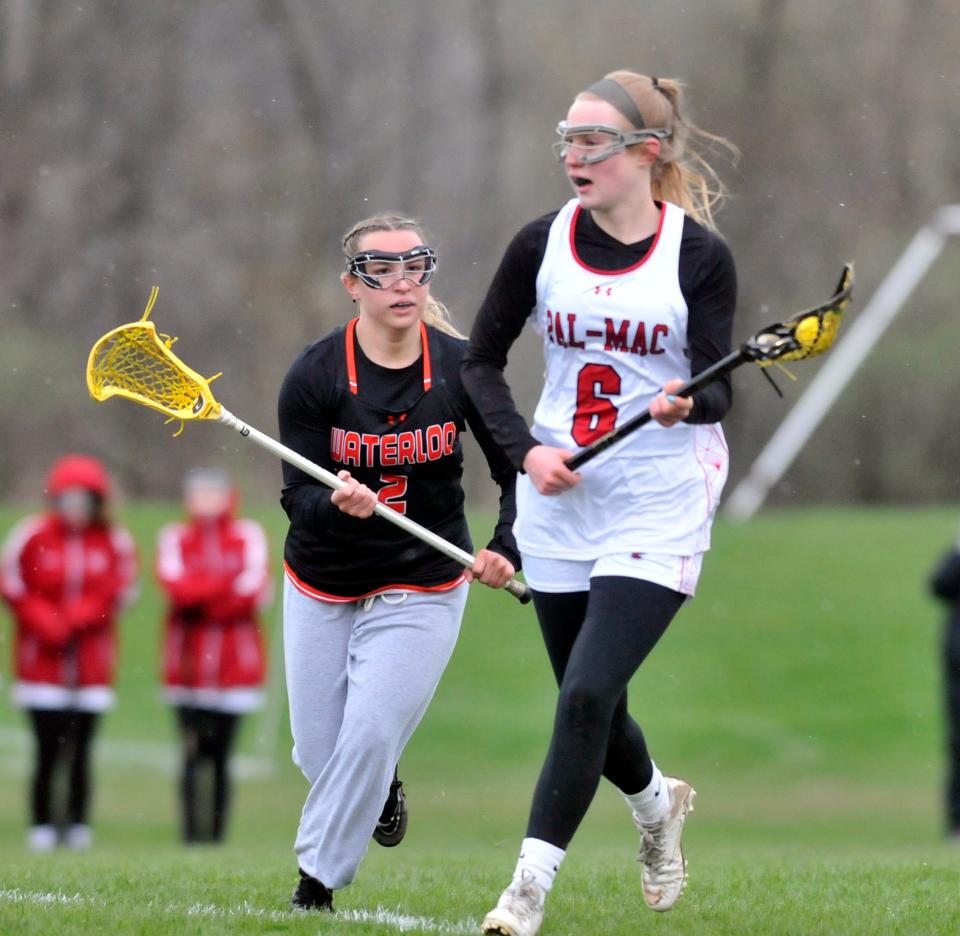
(135, 362)
(801, 336)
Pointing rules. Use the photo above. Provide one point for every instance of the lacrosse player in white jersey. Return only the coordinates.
(633, 293)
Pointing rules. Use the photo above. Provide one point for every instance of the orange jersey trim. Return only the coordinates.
(352, 357)
(427, 373)
(319, 595)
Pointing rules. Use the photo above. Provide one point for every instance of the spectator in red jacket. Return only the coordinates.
(214, 570)
(66, 574)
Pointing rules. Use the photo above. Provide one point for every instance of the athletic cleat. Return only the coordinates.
(519, 911)
(661, 853)
(42, 838)
(392, 824)
(311, 895)
(78, 837)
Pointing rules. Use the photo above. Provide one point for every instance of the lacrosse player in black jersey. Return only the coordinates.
(371, 614)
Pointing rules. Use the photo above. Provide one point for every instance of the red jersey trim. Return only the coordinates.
(639, 263)
(352, 357)
(312, 592)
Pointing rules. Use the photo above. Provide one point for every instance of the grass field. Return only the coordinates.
(800, 693)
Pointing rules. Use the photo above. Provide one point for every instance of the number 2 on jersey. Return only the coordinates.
(393, 492)
(596, 414)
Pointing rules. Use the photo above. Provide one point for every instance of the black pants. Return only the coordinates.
(207, 738)
(63, 740)
(596, 640)
(951, 659)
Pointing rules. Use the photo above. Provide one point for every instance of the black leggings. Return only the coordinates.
(952, 686)
(63, 740)
(596, 640)
(205, 783)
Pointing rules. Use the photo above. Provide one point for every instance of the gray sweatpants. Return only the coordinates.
(360, 676)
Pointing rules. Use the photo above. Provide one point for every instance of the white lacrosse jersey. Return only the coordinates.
(611, 340)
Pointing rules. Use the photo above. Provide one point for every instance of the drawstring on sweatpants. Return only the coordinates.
(390, 598)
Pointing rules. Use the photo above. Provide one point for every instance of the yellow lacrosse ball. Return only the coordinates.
(807, 331)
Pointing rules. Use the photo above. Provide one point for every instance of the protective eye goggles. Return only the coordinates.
(593, 143)
(379, 269)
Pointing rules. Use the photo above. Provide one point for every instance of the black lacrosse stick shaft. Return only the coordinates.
(752, 350)
(703, 379)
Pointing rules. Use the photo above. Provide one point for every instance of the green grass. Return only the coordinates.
(750, 890)
(800, 692)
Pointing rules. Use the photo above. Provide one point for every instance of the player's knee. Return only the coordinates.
(373, 738)
(584, 701)
(311, 763)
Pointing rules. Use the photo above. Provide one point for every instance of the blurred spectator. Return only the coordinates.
(66, 573)
(945, 584)
(214, 570)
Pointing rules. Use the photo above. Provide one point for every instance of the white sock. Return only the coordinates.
(652, 803)
(541, 859)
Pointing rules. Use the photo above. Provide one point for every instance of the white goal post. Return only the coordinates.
(842, 363)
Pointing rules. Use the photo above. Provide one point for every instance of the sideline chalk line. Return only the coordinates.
(401, 922)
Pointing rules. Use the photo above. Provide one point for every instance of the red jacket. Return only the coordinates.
(65, 588)
(215, 574)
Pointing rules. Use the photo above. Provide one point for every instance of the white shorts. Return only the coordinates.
(679, 573)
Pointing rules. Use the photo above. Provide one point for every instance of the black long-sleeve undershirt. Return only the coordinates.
(708, 281)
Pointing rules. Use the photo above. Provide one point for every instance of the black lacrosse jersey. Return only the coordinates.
(398, 431)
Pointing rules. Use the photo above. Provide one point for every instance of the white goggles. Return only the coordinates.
(379, 269)
(593, 143)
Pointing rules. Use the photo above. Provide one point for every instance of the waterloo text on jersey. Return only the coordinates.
(410, 447)
(623, 337)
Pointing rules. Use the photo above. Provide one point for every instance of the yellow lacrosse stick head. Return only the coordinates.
(816, 331)
(806, 334)
(814, 334)
(133, 361)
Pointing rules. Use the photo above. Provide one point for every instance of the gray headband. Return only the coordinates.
(614, 93)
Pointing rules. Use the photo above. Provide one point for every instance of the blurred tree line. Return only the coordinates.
(220, 149)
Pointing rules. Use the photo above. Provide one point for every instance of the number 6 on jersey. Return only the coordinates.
(596, 414)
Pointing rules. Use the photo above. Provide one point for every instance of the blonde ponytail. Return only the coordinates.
(682, 174)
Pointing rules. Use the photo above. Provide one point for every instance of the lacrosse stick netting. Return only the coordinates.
(801, 336)
(136, 363)
(806, 334)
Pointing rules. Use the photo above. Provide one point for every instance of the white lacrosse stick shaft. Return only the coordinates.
(515, 587)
